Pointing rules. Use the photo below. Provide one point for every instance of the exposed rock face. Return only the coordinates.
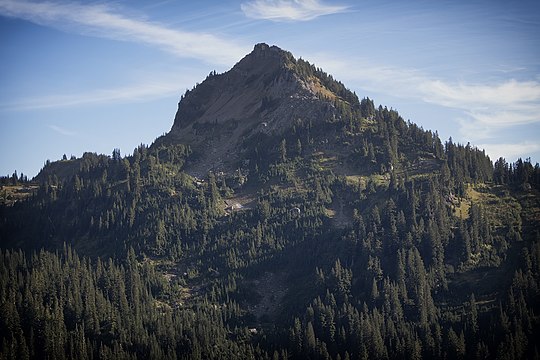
(262, 92)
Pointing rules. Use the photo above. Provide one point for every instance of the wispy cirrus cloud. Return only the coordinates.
(510, 151)
(505, 93)
(103, 21)
(485, 107)
(145, 91)
(289, 10)
(62, 131)
(488, 108)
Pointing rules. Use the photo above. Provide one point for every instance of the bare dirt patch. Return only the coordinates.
(240, 202)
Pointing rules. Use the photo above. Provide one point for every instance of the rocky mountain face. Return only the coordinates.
(263, 93)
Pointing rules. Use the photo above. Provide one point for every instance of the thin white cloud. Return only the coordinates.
(485, 108)
(103, 21)
(146, 91)
(511, 152)
(510, 92)
(62, 131)
(289, 10)
(106, 22)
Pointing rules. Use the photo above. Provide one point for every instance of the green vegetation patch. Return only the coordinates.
(498, 203)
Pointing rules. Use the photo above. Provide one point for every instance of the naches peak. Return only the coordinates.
(266, 91)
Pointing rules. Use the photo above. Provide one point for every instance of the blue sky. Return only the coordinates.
(93, 76)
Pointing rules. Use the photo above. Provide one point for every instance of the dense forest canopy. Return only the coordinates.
(356, 236)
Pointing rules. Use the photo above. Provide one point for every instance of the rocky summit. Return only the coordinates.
(264, 92)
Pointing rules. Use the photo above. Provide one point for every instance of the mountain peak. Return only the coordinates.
(262, 47)
(265, 58)
(267, 90)
(264, 50)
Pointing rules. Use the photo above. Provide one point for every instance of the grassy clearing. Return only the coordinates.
(323, 161)
(419, 177)
(462, 209)
(321, 89)
(499, 205)
(354, 180)
(531, 207)
(10, 194)
(380, 180)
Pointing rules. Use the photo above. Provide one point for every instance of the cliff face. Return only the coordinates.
(261, 93)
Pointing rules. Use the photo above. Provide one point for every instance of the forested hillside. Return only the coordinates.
(346, 233)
